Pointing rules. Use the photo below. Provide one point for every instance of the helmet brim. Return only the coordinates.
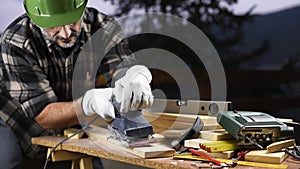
(60, 19)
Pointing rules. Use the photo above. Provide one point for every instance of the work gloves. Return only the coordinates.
(132, 92)
(98, 101)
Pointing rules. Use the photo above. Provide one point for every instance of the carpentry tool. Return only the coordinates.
(130, 129)
(200, 107)
(218, 146)
(188, 134)
(253, 128)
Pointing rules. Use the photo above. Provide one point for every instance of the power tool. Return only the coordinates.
(130, 129)
(253, 128)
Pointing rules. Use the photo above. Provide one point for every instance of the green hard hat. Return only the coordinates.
(52, 13)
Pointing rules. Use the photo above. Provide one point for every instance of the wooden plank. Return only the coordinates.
(49, 141)
(86, 146)
(61, 155)
(169, 121)
(215, 135)
(75, 164)
(277, 146)
(86, 163)
(224, 155)
(108, 151)
(99, 134)
(71, 131)
(264, 157)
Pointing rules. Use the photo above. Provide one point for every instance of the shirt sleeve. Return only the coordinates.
(27, 82)
(24, 127)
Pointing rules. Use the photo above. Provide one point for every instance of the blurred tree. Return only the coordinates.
(214, 17)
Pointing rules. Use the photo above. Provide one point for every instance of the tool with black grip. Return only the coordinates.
(130, 129)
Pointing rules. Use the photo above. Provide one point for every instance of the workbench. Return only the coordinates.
(86, 147)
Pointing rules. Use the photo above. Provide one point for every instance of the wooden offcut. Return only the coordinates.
(71, 131)
(171, 121)
(216, 135)
(265, 157)
(278, 146)
(86, 163)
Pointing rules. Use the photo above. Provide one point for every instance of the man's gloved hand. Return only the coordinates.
(98, 101)
(133, 90)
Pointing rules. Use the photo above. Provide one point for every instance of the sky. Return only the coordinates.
(11, 9)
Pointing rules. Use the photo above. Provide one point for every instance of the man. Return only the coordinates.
(39, 51)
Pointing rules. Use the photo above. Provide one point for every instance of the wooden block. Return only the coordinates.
(61, 155)
(215, 135)
(71, 131)
(86, 163)
(277, 146)
(75, 164)
(264, 157)
(98, 134)
(211, 146)
(223, 155)
(170, 121)
(159, 137)
(194, 143)
(284, 120)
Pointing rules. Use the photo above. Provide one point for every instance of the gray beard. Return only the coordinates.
(47, 37)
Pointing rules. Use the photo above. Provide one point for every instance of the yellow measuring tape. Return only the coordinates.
(246, 163)
(218, 146)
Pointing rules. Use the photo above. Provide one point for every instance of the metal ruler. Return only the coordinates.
(245, 163)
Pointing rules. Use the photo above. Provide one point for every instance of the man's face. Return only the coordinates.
(66, 35)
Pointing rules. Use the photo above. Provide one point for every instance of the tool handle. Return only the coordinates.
(215, 161)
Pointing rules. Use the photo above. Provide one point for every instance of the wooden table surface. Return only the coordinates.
(98, 149)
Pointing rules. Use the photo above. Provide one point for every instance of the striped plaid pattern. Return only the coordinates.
(24, 127)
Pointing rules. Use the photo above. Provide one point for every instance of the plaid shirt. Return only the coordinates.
(23, 126)
(38, 72)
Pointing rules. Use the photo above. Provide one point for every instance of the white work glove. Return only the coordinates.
(98, 101)
(133, 90)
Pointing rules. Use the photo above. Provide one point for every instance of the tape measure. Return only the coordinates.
(246, 163)
(218, 146)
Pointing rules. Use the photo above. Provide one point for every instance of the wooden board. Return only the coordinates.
(194, 143)
(71, 131)
(215, 135)
(277, 146)
(103, 150)
(99, 134)
(60, 155)
(264, 157)
(170, 121)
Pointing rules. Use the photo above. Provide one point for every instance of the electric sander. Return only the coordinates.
(130, 129)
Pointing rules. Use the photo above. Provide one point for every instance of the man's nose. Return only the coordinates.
(65, 31)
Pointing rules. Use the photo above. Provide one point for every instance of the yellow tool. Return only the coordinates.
(218, 146)
(245, 163)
